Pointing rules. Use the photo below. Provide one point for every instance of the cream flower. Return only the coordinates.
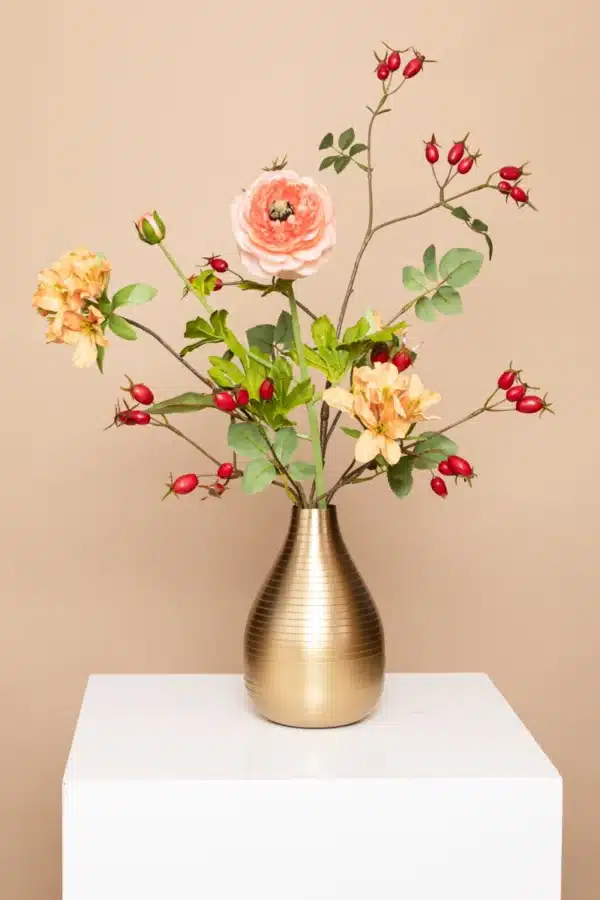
(84, 332)
(284, 225)
(387, 403)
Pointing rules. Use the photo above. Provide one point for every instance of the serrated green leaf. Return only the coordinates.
(357, 148)
(300, 471)
(121, 327)
(133, 295)
(328, 161)
(447, 300)
(204, 283)
(247, 440)
(225, 372)
(479, 226)
(413, 279)
(281, 375)
(300, 395)
(460, 266)
(432, 449)
(323, 332)
(326, 142)
(258, 475)
(351, 432)
(461, 213)
(183, 403)
(425, 310)
(341, 163)
(285, 444)
(284, 331)
(400, 477)
(346, 138)
(356, 332)
(430, 263)
(261, 337)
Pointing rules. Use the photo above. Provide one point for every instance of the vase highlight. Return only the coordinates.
(314, 649)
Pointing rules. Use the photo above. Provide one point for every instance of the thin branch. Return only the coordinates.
(306, 310)
(329, 434)
(170, 349)
(180, 434)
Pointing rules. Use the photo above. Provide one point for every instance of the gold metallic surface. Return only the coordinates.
(313, 649)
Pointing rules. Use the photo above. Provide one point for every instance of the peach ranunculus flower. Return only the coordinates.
(63, 295)
(284, 225)
(387, 403)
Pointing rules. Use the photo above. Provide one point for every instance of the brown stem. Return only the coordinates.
(173, 352)
(298, 489)
(329, 433)
(180, 434)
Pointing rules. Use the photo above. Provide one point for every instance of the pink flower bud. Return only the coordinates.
(151, 228)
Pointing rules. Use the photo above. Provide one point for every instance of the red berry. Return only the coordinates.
(138, 417)
(530, 404)
(266, 390)
(507, 379)
(380, 354)
(225, 471)
(432, 154)
(511, 173)
(456, 153)
(413, 67)
(515, 393)
(504, 187)
(518, 194)
(218, 284)
(142, 394)
(402, 360)
(465, 165)
(225, 401)
(460, 466)
(185, 484)
(218, 264)
(444, 468)
(242, 397)
(383, 71)
(438, 486)
(124, 418)
(393, 61)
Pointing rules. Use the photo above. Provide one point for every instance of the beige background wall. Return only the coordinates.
(112, 108)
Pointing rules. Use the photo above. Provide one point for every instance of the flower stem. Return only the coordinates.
(170, 349)
(189, 285)
(180, 434)
(312, 416)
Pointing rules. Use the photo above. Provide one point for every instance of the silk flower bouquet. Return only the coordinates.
(364, 372)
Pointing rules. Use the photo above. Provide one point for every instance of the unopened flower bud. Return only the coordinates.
(151, 228)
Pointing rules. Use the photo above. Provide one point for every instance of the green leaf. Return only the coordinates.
(323, 332)
(413, 279)
(357, 148)
(340, 163)
(430, 264)
(326, 142)
(488, 241)
(300, 471)
(400, 477)
(285, 444)
(261, 337)
(247, 440)
(246, 285)
(200, 328)
(100, 359)
(281, 374)
(301, 394)
(460, 266)
(284, 331)
(346, 138)
(328, 161)
(133, 295)
(225, 372)
(356, 332)
(432, 449)
(425, 309)
(218, 320)
(189, 348)
(183, 403)
(461, 213)
(121, 327)
(204, 283)
(258, 475)
(447, 300)
(104, 305)
(351, 432)
(478, 226)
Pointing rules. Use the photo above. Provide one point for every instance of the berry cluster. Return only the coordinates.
(228, 402)
(185, 484)
(516, 392)
(509, 184)
(392, 61)
(456, 154)
(402, 359)
(217, 264)
(453, 466)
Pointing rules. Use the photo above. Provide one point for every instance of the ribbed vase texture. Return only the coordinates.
(313, 649)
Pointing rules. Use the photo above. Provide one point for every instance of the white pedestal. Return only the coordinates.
(174, 790)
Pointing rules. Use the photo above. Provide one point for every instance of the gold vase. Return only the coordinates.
(313, 648)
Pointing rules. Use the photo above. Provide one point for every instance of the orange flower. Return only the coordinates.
(387, 403)
(84, 332)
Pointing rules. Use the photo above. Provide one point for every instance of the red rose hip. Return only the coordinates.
(432, 154)
(413, 67)
(456, 152)
(266, 390)
(438, 486)
(138, 417)
(507, 379)
(225, 471)
(504, 187)
(380, 354)
(218, 284)
(444, 468)
(142, 393)
(394, 61)
(218, 264)
(519, 195)
(185, 484)
(402, 360)
(460, 466)
(516, 393)
(225, 401)
(511, 173)
(465, 165)
(383, 71)
(530, 404)
(242, 397)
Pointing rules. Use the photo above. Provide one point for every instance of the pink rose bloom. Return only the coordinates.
(284, 226)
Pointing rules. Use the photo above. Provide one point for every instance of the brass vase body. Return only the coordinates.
(313, 648)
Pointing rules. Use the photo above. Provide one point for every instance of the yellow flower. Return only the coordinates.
(84, 332)
(387, 403)
(71, 282)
